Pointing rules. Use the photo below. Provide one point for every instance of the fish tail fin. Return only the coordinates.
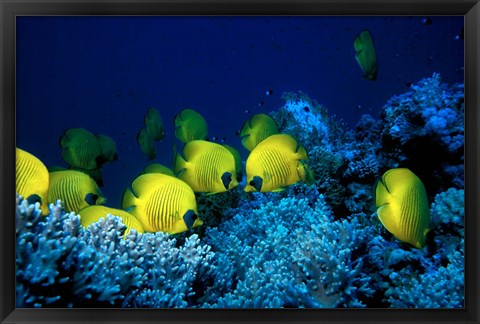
(305, 173)
(302, 152)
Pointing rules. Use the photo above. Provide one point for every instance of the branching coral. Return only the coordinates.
(61, 264)
(288, 253)
(318, 245)
(427, 119)
(431, 108)
(432, 277)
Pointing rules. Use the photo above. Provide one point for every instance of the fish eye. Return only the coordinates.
(189, 218)
(91, 199)
(256, 183)
(226, 179)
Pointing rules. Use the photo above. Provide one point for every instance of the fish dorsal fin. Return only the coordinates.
(284, 142)
(145, 183)
(194, 148)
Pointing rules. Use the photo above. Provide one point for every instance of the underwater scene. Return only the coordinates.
(240, 162)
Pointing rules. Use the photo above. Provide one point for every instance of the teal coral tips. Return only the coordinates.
(403, 206)
(92, 214)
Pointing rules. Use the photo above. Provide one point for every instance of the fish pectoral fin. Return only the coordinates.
(180, 172)
(130, 209)
(192, 149)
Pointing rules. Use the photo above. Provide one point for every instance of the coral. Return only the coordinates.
(432, 277)
(61, 264)
(318, 245)
(431, 108)
(429, 289)
(211, 208)
(427, 119)
(309, 121)
(448, 209)
(436, 286)
(359, 198)
(288, 252)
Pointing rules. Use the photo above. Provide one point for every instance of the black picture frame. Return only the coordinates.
(9, 9)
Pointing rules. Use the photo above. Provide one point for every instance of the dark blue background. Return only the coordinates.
(102, 73)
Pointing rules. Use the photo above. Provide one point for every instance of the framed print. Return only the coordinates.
(243, 162)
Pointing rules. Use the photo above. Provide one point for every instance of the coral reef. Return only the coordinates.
(289, 252)
(61, 264)
(318, 245)
(430, 109)
(427, 119)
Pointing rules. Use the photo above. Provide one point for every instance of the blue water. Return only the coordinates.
(102, 74)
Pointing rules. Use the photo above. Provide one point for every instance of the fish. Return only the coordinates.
(154, 124)
(275, 163)
(31, 179)
(147, 144)
(402, 206)
(91, 214)
(162, 203)
(75, 189)
(256, 129)
(95, 174)
(158, 168)
(190, 126)
(366, 55)
(207, 167)
(108, 149)
(81, 149)
(238, 161)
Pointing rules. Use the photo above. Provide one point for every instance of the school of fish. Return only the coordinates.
(164, 199)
